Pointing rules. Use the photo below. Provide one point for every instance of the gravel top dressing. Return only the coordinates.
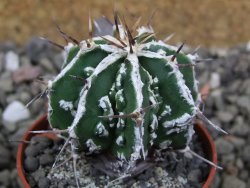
(171, 169)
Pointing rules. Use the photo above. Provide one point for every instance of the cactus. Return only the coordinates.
(125, 94)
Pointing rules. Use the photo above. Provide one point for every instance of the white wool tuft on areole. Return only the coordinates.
(167, 110)
(106, 105)
(92, 146)
(119, 141)
(66, 105)
(182, 120)
(102, 131)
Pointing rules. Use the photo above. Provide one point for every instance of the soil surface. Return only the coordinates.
(221, 23)
(167, 168)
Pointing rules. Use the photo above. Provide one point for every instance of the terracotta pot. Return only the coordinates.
(42, 124)
(209, 148)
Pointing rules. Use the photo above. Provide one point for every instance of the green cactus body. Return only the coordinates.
(152, 97)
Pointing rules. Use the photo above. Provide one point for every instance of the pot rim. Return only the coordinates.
(42, 123)
(210, 150)
(37, 125)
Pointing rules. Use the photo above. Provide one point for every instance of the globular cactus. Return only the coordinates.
(124, 94)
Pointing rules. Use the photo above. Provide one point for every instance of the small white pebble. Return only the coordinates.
(15, 112)
(215, 80)
(11, 61)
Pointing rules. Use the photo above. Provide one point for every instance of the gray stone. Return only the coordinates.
(244, 103)
(14, 174)
(239, 120)
(2, 138)
(31, 164)
(246, 154)
(11, 127)
(204, 77)
(58, 61)
(26, 73)
(232, 109)
(32, 151)
(16, 136)
(223, 146)
(24, 97)
(232, 98)
(11, 61)
(5, 157)
(42, 141)
(5, 178)
(11, 98)
(228, 159)
(7, 46)
(31, 181)
(46, 159)
(221, 52)
(234, 86)
(248, 183)
(159, 172)
(239, 163)
(37, 49)
(216, 96)
(6, 83)
(23, 87)
(248, 46)
(232, 182)
(246, 87)
(38, 107)
(243, 175)
(25, 61)
(35, 88)
(38, 174)
(2, 98)
(14, 178)
(240, 128)
(1, 62)
(242, 68)
(25, 123)
(238, 142)
(43, 183)
(195, 175)
(49, 151)
(47, 65)
(224, 116)
(61, 184)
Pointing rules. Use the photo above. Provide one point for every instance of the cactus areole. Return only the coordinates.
(124, 94)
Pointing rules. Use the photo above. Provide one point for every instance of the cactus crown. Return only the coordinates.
(125, 93)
